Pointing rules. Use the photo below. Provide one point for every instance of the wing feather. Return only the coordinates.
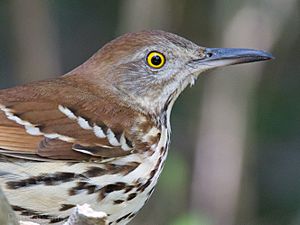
(50, 127)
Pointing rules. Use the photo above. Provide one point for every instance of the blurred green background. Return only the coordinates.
(235, 151)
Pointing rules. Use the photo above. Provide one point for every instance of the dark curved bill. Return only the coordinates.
(216, 57)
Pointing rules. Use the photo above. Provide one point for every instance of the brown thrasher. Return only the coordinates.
(100, 134)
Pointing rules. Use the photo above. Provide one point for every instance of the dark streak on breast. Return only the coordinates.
(43, 179)
(123, 218)
(119, 201)
(122, 169)
(65, 207)
(81, 186)
(131, 196)
(36, 215)
(111, 188)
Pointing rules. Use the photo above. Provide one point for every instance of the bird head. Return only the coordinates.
(148, 70)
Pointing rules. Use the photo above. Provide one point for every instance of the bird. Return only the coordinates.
(100, 133)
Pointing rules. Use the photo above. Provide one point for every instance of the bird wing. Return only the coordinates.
(77, 126)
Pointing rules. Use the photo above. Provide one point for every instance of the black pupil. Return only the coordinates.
(156, 60)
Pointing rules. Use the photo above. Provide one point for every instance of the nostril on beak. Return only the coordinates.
(209, 54)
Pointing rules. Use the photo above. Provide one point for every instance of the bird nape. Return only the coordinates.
(100, 133)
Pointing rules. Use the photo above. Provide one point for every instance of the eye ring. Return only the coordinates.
(156, 60)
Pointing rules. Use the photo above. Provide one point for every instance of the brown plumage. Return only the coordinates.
(100, 134)
(40, 107)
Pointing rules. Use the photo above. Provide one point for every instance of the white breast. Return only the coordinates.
(147, 174)
(49, 199)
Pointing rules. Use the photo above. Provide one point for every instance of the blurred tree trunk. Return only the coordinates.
(138, 15)
(36, 47)
(226, 111)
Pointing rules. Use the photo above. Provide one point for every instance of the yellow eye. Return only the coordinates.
(156, 60)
